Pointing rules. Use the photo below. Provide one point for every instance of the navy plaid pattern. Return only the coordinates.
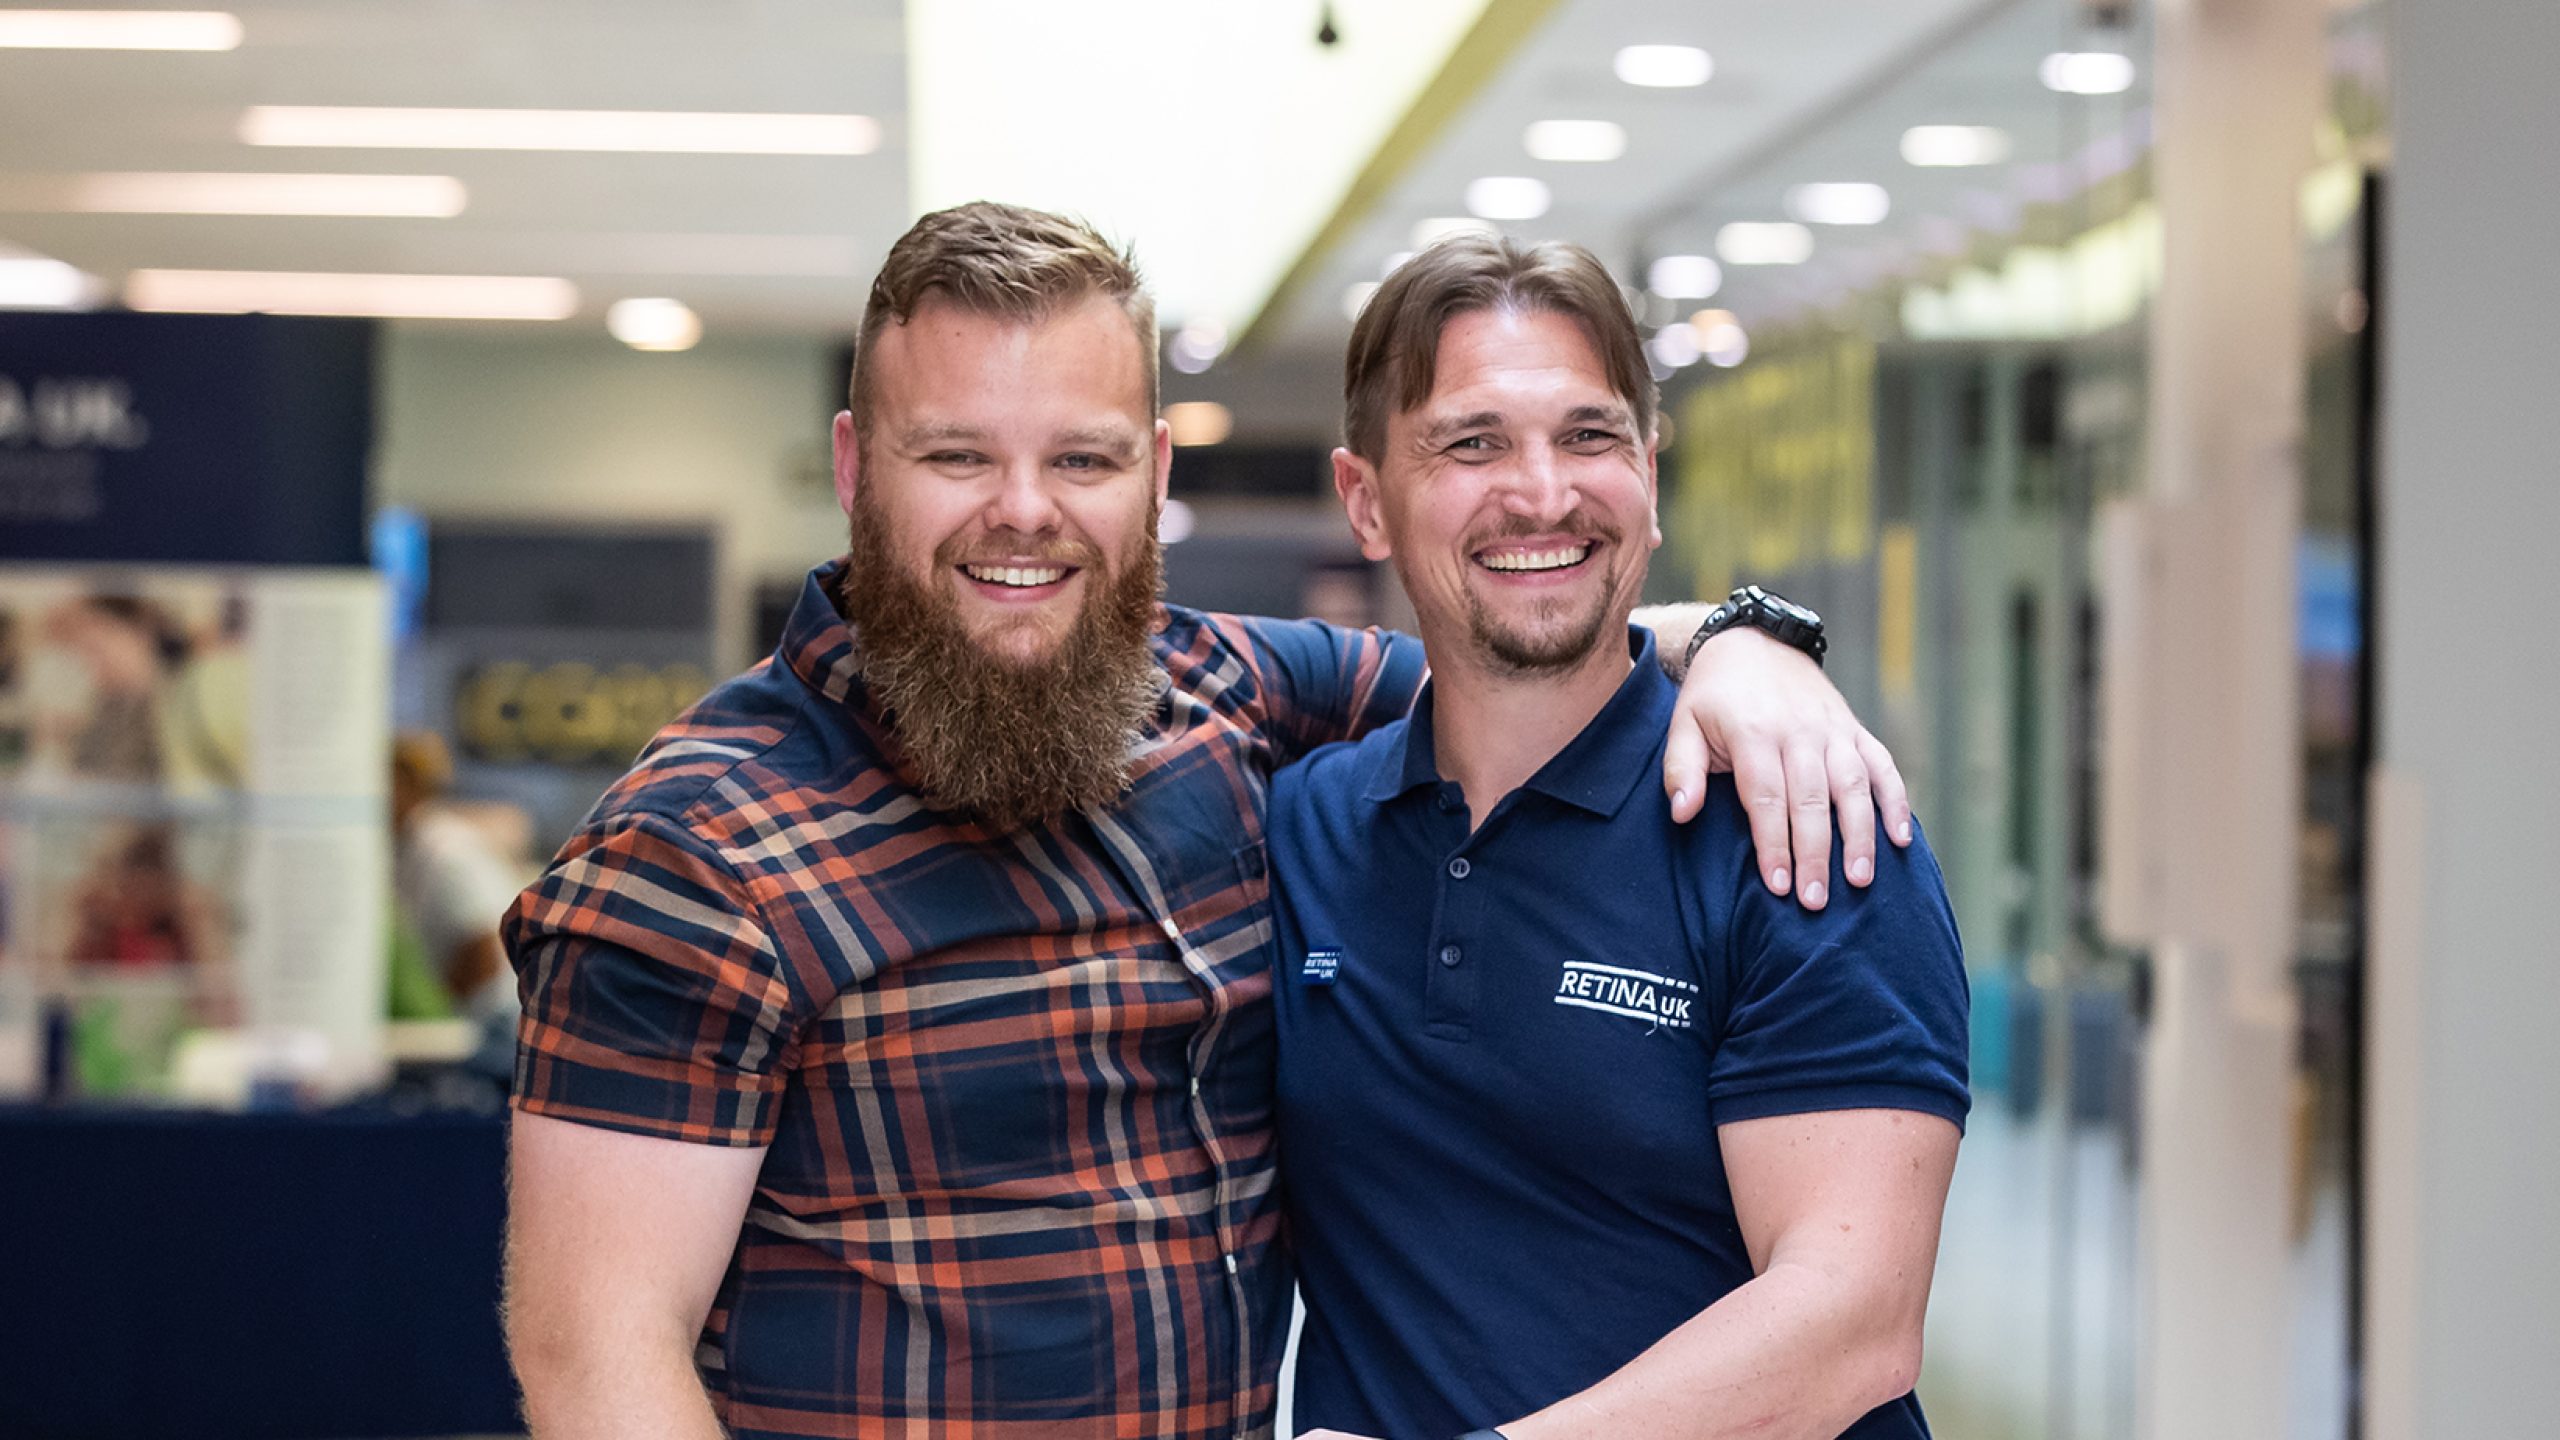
(1016, 1085)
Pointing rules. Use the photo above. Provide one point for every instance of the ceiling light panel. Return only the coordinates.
(37, 282)
(1664, 67)
(411, 297)
(1684, 277)
(1575, 141)
(669, 132)
(1839, 203)
(653, 323)
(119, 30)
(2087, 72)
(433, 197)
(1953, 145)
(1508, 197)
(1772, 242)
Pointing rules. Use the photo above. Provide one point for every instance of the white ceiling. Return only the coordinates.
(764, 241)
(1812, 89)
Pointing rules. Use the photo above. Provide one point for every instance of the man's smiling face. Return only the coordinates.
(1517, 500)
(1013, 466)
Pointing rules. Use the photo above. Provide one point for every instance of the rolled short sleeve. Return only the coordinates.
(1321, 682)
(1862, 1005)
(654, 998)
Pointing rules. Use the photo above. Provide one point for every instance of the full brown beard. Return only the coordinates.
(1006, 741)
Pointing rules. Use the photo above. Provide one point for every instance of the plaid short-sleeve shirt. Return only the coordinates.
(1016, 1085)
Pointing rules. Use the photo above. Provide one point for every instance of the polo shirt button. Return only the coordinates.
(1450, 955)
(1459, 867)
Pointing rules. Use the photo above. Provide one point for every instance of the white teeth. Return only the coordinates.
(1537, 559)
(1019, 576)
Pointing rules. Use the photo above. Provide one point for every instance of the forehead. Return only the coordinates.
(1531, 360)
(947, 361)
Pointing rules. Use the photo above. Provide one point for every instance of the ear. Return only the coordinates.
(1653, 487)
(848, 460)
(1164, 462)
(1356, 481)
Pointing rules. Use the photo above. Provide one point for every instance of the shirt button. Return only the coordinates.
(1459, 867)
(1231, 1264)
(1450, 955)
(1195, 1087)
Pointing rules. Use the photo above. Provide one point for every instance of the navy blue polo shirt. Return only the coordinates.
(1504, 1056)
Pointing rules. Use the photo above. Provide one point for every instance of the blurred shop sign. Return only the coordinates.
(569, 712)
(1783, 477)
(223, 439)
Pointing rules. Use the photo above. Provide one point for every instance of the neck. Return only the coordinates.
(1491, 731)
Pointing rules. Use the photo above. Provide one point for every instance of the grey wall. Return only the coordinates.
(2464, 1109)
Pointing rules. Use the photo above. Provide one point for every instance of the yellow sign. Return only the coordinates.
(569, 713)
(1777, 467)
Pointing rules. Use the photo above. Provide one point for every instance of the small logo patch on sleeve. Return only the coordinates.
(1321, 967)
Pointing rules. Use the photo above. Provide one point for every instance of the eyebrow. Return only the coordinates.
(1618, 415)
(1457, 425)
(1121, 442)
(925, 437)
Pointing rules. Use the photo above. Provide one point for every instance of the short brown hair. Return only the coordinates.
(1003, 260)
(1395, 344)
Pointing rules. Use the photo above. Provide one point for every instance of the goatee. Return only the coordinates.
(1006, 741)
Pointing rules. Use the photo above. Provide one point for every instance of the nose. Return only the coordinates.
(1537, 486)
(1022, 501)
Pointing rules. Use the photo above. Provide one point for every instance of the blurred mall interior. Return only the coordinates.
(2143, 390)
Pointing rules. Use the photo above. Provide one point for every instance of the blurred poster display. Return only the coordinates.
(194, 701)
(191, 823)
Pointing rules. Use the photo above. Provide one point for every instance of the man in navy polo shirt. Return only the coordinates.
(1585, 1133)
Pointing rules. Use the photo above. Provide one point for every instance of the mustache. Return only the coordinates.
(1008, 547)
(1578, 524)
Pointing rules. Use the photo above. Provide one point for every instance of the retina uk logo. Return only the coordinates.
(1661, 1000)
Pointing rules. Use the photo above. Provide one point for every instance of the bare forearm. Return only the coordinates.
(598, 1391)
(1793, 1355)
(1672, 625)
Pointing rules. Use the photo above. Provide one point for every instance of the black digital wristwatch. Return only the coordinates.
(1757, 608)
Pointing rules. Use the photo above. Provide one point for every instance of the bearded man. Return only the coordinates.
(896, 1054)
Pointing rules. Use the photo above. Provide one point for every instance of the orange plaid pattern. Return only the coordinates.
(1015, 1085)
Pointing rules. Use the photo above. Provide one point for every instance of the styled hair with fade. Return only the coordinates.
(1003, 260)
(1395, 344)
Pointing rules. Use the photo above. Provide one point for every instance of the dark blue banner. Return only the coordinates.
(212, 439)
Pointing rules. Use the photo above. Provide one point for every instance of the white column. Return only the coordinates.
(2463, 1120)
(2204, 738)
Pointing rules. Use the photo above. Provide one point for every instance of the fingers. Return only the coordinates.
(1684, 766)
(1809, 816)
(1893, 799)
(1853, 809)
(1760, 778)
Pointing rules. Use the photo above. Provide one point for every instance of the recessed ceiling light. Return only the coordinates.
(2087, 72)
(653, 323)
(1675, 346)
(1356, 298)
(1764, 242)
(1507, 197)
(1441, 227)
(1839, 203)
(652, 131)
(420, 297)
(1664, 66)
(1684, 277)
(432, 197)
(37, 282)
(1199, 422)
(119, 30)
(1955, 145)
(1567, 141)
(1723, 343)
(1197, 346)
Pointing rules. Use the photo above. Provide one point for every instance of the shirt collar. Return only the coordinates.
(1595, 771)
(816, 642)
